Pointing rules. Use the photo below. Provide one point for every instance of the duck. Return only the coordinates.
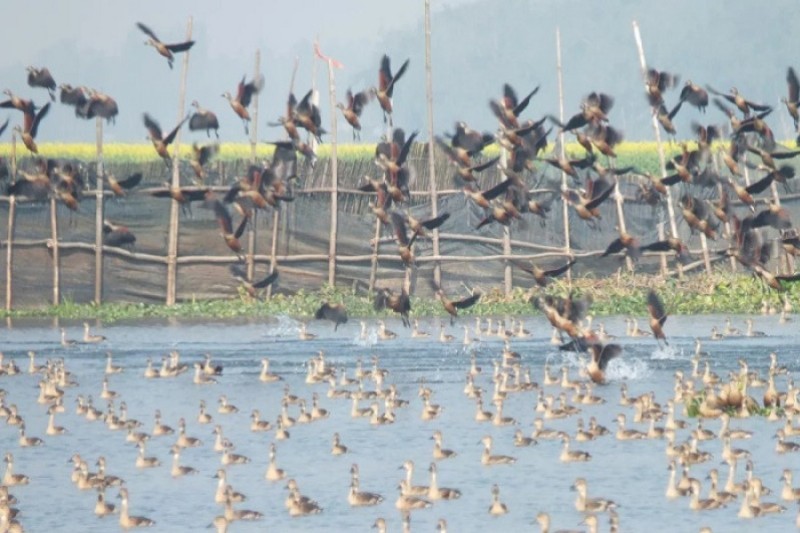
(225, 491)
(497, 508)
(487, 459)
(125, 520)
(784, 446)
(337, 448)
(440, 453)
(572, 456)
(358, 498)
(407, 486)
(9, 477)
(226, 408)
(265, 376)
(584, 504)
(385, 334)
(627, 434)
(788, 493)
(704, 504)
(177, 469)
(304, 334)
(750, 332)
(229, 458)
(160, 429)
(273, 472)
(142, 461)
(110, 367)
(185, 441)
(407, 502)
(203, 417)
(729, 330)
(89, 337)
(435, 492)
(26, 441)
(520, 440)
(102, 507)
(417, 333)
(256, 424)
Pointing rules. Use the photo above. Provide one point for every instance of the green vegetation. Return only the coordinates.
(622, 295)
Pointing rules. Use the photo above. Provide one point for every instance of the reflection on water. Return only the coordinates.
(632, 473)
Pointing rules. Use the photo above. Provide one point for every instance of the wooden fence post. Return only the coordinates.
(56, 259)
(661, 158)
(563, 154)
(437, 267)
(98, 219)
(174, 212)
(12, 218)
(251, 234)
(334, 180)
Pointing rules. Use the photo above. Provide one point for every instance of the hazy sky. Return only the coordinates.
(82, 42)
(96, 43)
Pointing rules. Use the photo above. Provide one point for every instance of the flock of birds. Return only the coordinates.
(592, 180)
(561, 400)
(703, 177)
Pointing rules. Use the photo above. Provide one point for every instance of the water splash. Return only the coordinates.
(628, 369)
(286, 327)
(370, 338)
(668, 353)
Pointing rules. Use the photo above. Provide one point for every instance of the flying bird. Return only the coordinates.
(165, 50)
(244, 95)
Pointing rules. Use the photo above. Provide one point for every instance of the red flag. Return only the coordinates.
(319, 54)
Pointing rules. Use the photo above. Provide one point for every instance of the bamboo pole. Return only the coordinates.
(172, 243)
(563, 155)
(14, 156)
(437, 268)
(98, 218)
(334, 180)
(56, 260)
(12, 219)
(373, 269)
(251, 234)
(673, 226)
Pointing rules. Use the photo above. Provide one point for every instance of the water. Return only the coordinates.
(634, 474)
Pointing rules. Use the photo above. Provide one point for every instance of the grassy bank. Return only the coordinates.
(623, 295)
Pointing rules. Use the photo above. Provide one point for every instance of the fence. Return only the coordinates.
(51, 251)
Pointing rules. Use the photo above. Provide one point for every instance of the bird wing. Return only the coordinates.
(4, 126)
(399, 224)
(171, 137)
(794, 85)
(761, 185)
(497, 190)
(131, 181)
(180, 47)
(152, 127)
(656, 307)
(520, 107)
(396, 77)
(560, 270)
(269, 280)
(249, 89)
(404, 151)
(434, 223)
(607, 353)
(38, 119)
(467, 302)
(600, 198)
(147, 31)
(223, 217)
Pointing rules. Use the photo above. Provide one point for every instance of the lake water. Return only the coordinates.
(634, 474)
